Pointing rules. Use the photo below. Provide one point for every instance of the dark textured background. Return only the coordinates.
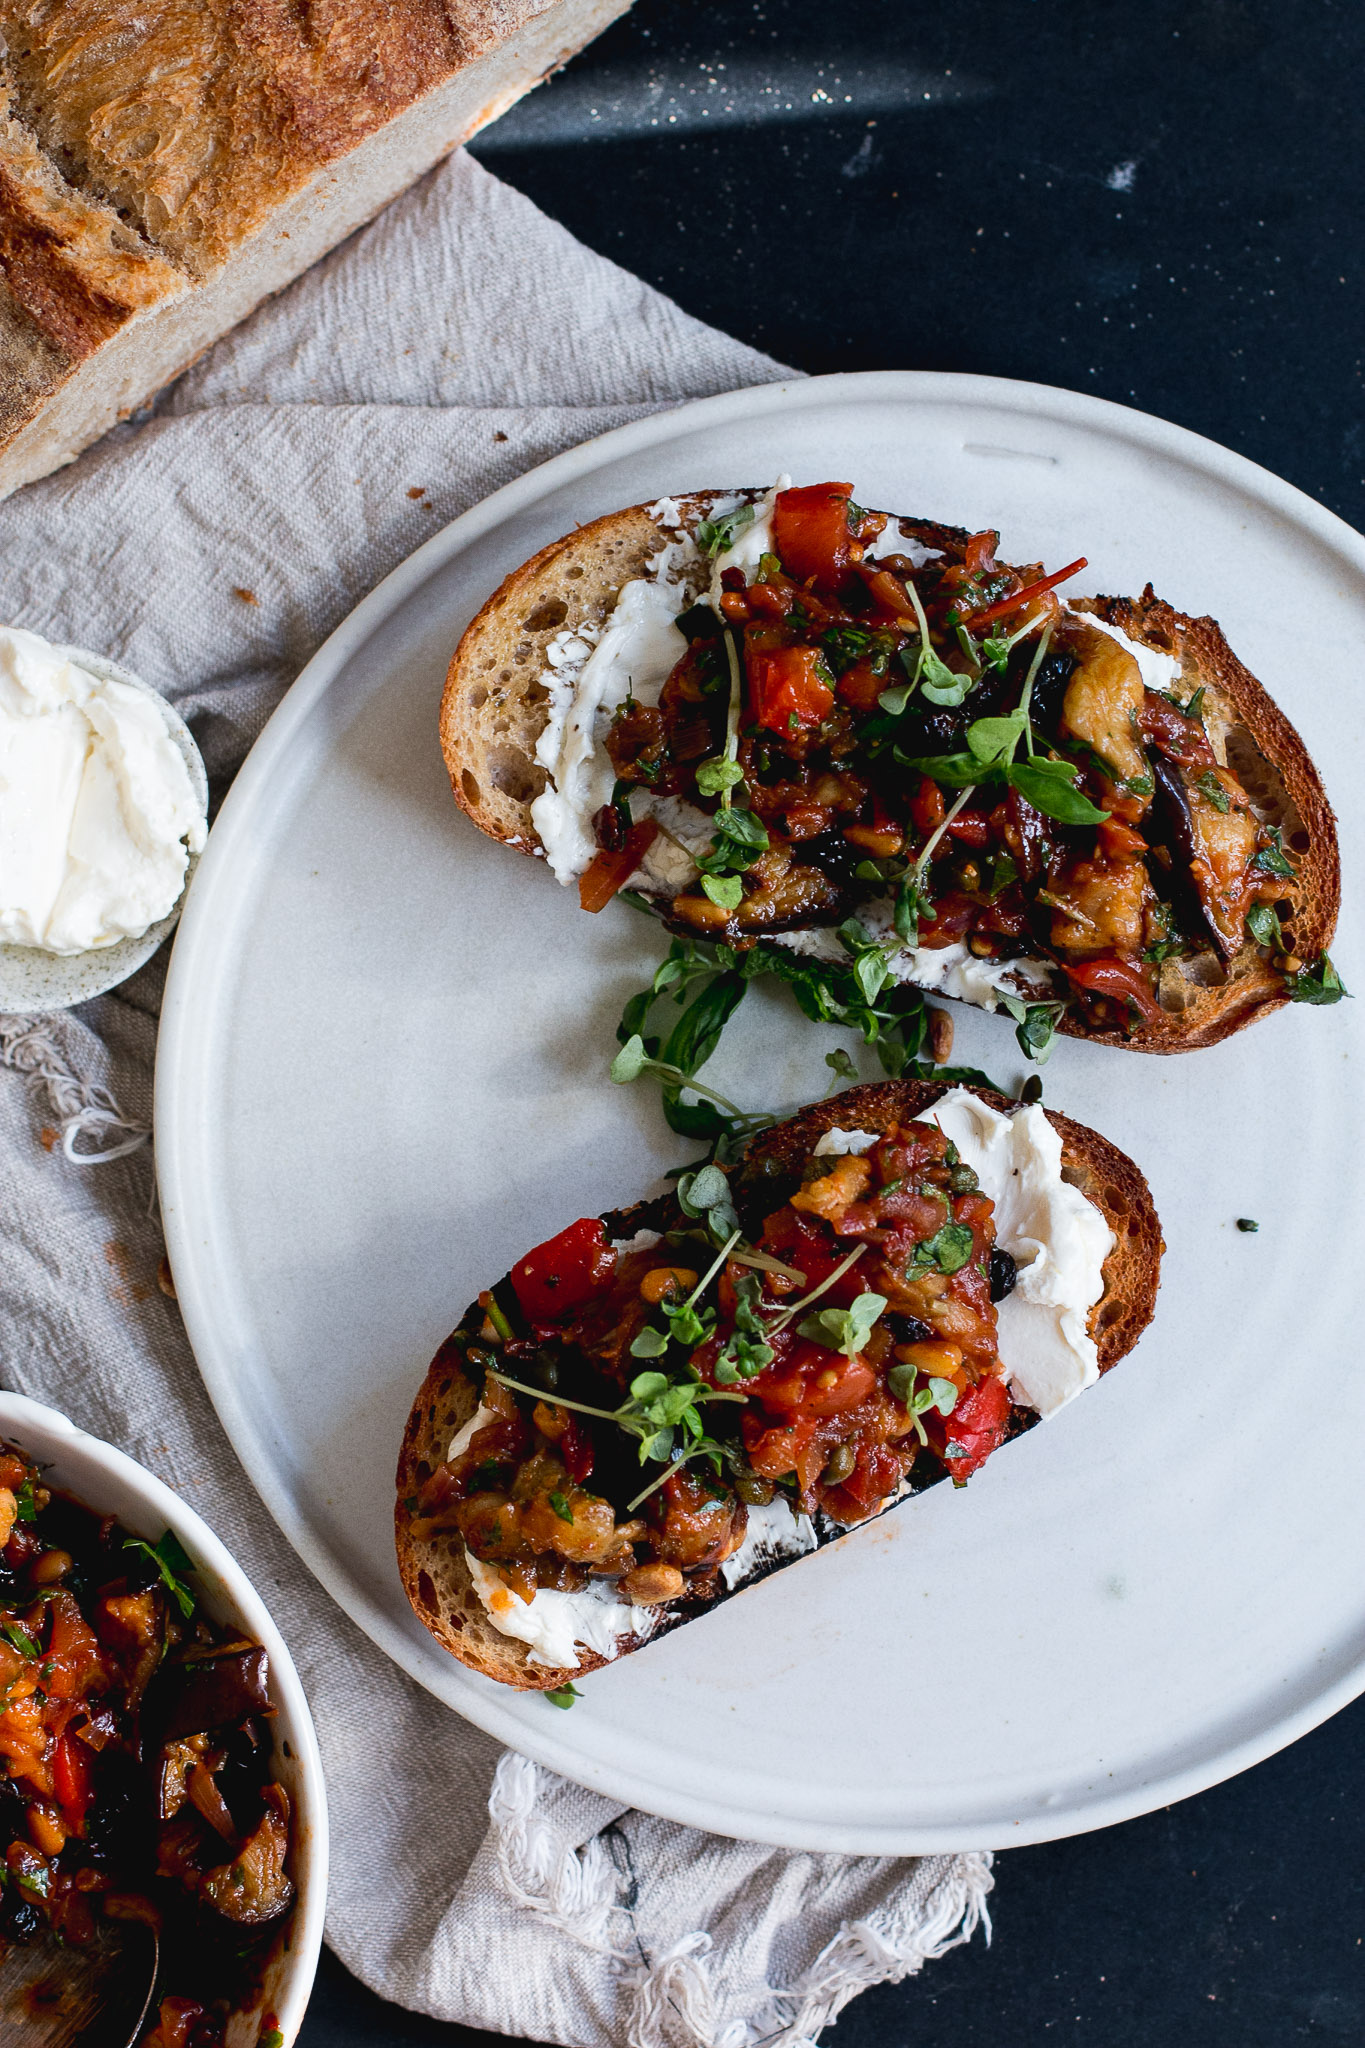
(1160, 204)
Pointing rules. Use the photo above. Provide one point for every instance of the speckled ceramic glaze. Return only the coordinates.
(383, 1075)
(31, 979)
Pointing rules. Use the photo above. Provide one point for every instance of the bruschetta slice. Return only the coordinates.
(660, 1406)
(791, 723)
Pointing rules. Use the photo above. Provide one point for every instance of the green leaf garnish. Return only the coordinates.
(949, 1249)
(845, 1329)
(718, 774)
(172, 1563)
(561, 1507)
(1272, 859)
(562, 1696)
(716, 535)
(726, 891)
(1263, 922)
(1209, 786)
(1318, 983)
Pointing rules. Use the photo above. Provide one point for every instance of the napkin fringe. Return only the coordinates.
(571, 1889)
(673, 2003)
(83, 1108)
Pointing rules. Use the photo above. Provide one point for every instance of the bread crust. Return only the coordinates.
(434, 1570)
(493, 709)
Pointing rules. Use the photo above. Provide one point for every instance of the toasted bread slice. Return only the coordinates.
(435, 1570)
(494, 709)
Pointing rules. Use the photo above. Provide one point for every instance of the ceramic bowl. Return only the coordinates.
(31, 979)
(108, 1481)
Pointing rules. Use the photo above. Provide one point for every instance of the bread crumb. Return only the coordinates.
(125, 1287)
(247, 596)
(165, 1279)
(417, 490)
(499, 436)
(47, 1137)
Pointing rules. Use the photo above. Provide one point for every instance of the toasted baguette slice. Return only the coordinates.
(435, 1571)
(494, 709)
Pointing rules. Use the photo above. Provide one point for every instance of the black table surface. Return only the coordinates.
(1159, 203)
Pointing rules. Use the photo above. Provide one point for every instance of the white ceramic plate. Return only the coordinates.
(111, 1483)
(383, 1076)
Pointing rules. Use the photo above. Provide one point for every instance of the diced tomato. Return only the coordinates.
(71, 1780)
(610, 871)
(973, 828)
(852, 1382)
(1122, 980)
(808, 1249)
(877, 1473)
(975, 1428)
(575, 1448)
(861, 686)
(978, 557)
(788, 688)
(564, 1272)
(73, 1653)
(927, 807)
(811, 533)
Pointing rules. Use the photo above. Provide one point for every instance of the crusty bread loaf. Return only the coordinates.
(434, 1570)
(164, 167)
(493, 710)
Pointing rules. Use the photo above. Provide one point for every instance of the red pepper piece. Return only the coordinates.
(810, 531)
(565, 1271)
(71, 1780)
(575, 1448)
(611, 871)
(975, 1428)
(1123, 980)
(787, 684)
(1005, 605)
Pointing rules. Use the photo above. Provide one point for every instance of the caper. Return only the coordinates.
(755, 1492)
(962, 1180)
(545, 1371)
(842, 1459)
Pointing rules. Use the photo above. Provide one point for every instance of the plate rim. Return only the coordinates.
(173, 1117)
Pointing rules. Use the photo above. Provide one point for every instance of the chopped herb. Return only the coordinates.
(271, 2038)
(1319, 983)
(563, 1511)
(37, 1881)
(1209, 786)
(26, 1508)
(1272, 859)
(172, 1563)
(1195, 707)
(1248, 1223)
(1263, 922)
(949, 1249)
(716, 535)
(562, 1696)
(18, 1638)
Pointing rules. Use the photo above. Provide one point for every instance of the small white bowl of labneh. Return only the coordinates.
(103, 815)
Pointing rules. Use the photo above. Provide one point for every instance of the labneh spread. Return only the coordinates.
(98, 814)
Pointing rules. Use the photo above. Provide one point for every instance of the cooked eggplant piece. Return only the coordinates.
(217, 1692)
(254, 1887)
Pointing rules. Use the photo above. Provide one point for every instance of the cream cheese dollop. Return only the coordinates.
(553, 1624)
(1058, 1240)
(98, 815)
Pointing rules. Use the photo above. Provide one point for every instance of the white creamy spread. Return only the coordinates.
(643, 1241)
(1159, 671)
(1057, 1238)
(98, 816)
(460, 1442)
(751, 543)
(835, 1143)
(773, 1531)
(946, 970)
(891, 541)
(551, 1624)
(633, 655)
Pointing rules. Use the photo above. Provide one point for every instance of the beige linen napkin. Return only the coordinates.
(211, 545)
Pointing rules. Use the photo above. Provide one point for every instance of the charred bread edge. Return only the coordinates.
(1251, 987)
(1104, 1174)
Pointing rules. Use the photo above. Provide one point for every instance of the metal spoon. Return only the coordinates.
(56, 1995)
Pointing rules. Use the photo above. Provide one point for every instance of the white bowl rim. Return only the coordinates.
(20, 1417)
